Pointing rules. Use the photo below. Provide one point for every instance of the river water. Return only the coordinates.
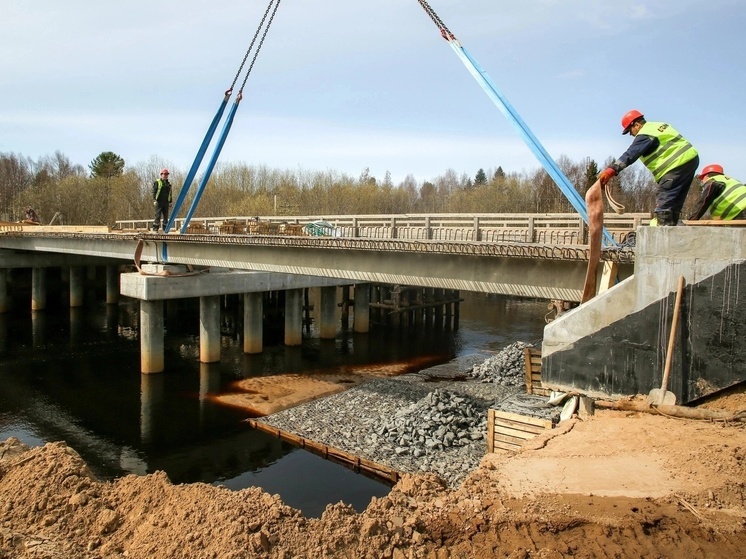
(73, 375)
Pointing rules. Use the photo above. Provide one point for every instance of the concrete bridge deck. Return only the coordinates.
(427, 251)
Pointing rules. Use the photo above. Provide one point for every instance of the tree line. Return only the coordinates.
(109, 190)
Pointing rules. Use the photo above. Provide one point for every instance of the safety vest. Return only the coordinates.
(158, 192)
(673, 150)
(732, 199)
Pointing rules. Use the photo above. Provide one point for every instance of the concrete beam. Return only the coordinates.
(220, 282)
(13, 259)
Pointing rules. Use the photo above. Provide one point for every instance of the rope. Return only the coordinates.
(138, 255)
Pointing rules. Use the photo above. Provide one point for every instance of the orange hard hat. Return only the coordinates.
(629, 118)
(713, 168)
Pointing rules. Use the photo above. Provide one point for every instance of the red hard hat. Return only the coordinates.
(629, 118)
(713, 168)
(164, 171)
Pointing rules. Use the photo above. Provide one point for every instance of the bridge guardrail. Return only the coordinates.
(523, 228)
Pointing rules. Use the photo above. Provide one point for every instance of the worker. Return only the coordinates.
(32, 216)
(667, 154)
(723, 196)
(161, 199)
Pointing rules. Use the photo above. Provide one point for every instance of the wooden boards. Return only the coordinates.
(533, 372)
(508, 431)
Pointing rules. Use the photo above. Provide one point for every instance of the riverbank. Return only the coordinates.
(618, 484)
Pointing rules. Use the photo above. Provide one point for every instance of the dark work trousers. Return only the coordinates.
(674, 186)
(161, 211)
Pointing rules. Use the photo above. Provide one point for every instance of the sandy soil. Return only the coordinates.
(618, 484)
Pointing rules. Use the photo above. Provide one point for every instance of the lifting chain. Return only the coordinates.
(447, 35)
(251, 45)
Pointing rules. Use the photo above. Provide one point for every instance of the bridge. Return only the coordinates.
(537, 256)
(610, 345)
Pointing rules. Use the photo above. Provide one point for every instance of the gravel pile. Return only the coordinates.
(507, 367)
(440, 420)
(431, 421)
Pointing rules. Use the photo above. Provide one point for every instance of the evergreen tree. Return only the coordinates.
(591, 173)
(499, 174)
(480, 178)
(107, 165)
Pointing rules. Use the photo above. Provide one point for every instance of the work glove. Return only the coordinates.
(606, 175)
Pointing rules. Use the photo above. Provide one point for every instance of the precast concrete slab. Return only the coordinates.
(179, 284)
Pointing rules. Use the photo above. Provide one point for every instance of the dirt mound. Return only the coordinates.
(620, 484)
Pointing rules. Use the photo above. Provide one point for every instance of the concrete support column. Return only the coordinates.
(38, 289)
(209, 329)
(151, 336)
(112, 285)
(293, 317)
(77, 285)
(361, 320)
(253, 323)
(4, 301)
(327, 314)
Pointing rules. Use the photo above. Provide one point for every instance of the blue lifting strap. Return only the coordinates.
(197, 162)
(510, 113)
(273, 5)
(211, 165)
(550, 166)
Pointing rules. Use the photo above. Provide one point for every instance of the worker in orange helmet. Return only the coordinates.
(724, 197)
(667, 154)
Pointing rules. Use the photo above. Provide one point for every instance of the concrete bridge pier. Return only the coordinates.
(38, 289)
(209, 329)
(4, 301)
(361, 317)
(151, 336)
(293, 317)
(112, 285)
(77, 285)
(328, 312)
(253, 325)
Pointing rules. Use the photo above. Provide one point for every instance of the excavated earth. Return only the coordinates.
(616, 484)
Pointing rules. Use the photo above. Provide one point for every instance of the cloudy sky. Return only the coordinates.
(347, 84)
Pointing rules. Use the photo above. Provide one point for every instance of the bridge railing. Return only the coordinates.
(523, 228)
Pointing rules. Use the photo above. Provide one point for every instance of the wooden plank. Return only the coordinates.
(520, 426)
(346, 459)
(717, 222)
(515, 433)
(490, 430)
(507, 443)
(524, 419)
(529, 379)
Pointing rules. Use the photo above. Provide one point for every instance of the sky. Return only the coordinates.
(345, 85)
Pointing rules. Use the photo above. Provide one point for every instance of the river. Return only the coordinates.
(73, 375)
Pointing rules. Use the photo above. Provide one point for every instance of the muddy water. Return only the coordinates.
(73, 375)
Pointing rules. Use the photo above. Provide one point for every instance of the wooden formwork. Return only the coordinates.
(533, 372)
(508, 431)
(355, 463)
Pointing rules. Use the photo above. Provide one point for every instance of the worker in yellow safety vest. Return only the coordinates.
(724, 197)
(161, 199)
(667, 154)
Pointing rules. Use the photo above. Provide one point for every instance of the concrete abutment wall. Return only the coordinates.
(616, 344)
